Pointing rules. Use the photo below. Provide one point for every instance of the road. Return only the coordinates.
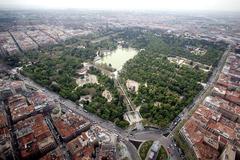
(57, 138)
(69, 105)
(138, 135)
(156, 143)
(185, 114)
(157, 136)
(124, 135)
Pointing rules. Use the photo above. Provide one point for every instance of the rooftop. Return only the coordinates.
(5, 142)
(219, 90)
(132, 85)
(216, 121)
(191, 131)
(203, 114)
(80, 147)
(69, 124)
(3, 120)
(204, 151)
(224, 127)
(33, 135)
(19, 107)
(37, 98)
(55, 154)
(14, 85)
(17, 84)
(106, 151)
(203, 142)
(233, 96)
(219, 103)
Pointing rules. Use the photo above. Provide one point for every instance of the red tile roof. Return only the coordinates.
(54, 155)
(19, 107)
(32, 134)
(69, 123)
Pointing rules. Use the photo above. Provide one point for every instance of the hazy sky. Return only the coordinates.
(209, 5)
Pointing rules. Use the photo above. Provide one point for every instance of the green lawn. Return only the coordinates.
(162, 154)
(144, 149)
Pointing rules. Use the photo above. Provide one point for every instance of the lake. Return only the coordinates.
(118, 57)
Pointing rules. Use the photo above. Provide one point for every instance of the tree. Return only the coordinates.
(122, 123)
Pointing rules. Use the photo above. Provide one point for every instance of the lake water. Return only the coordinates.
(118, 57)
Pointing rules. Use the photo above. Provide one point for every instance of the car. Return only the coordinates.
(169, 151)
(179, 150)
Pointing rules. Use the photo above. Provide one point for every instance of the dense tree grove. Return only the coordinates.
(54, 72)
(12, 60)
(113, 110)
(170, 45)
(166, 88)
(173, 87)
(57, 71)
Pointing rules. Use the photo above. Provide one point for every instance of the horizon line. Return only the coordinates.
(116, 10)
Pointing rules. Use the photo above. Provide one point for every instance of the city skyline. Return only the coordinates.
(173, 5)
(120, 79)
